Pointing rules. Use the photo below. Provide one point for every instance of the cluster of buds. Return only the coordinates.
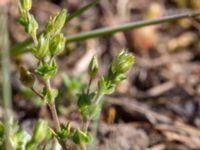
(27, 19)
(46, 47)
(90, 103)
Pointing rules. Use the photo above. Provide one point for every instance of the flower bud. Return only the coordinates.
(26, 4)
(93, 67)
(49, 28)
(26, 77)
(40, 131)
(23, 13)
(43, 46)
(60, 20)
(32, 25)
(123, 62)
(57, 45)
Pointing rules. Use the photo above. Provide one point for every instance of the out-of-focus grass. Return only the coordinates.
(21, 47)
(5, 66)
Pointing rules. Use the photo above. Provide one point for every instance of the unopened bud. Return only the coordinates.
(40, 131)
(26, 77)
(26, 4)
(57, 45)
(122, 62)
(60, 20)
(32, 25)
(43, 46)
(93, 67)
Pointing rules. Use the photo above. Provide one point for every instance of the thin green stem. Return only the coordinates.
(21, 48)
(53, 108)
(5, 62)
(89, 85)
(35, 40)
(82, 147)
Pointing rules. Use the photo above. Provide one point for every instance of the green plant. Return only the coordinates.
(19, 139)
(47, 46)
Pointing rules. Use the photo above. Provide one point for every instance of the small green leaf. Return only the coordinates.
(46, 70)
(64, 132)
(85, 99)
(106, 86)
(90, 111)
(81, 137)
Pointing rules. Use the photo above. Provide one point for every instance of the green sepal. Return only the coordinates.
(46, 70)
(90, 111)
(43, 46)
(41, 131)
(122, 62)
(60, 20)
(81, 138)
(106, 86)
(56, 23)
(57, 44)
(85, 99)
(64, 132)
(119, 77)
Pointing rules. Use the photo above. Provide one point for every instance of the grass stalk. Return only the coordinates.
(21, 48)
(5, 62)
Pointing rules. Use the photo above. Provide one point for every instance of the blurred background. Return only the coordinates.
(156, 108)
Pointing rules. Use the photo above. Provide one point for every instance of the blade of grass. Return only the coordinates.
(20, 48)
(5, 62)
(81, 11)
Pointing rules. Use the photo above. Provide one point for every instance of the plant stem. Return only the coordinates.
(35, 40)
(89, 84)
(21, 48)
(85, 125)
(82, 147)
(98, 98)
(5, 64)
(37, 93)
(54, 113)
